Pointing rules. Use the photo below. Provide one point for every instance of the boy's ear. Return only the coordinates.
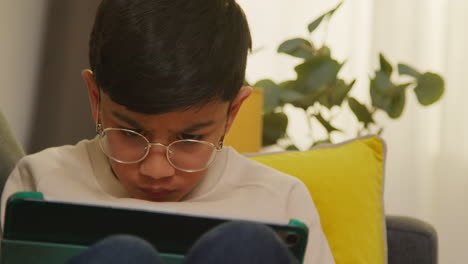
(243, 94)
(93, 92)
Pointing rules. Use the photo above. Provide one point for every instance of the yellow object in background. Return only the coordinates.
(246, 131)
(346, 182)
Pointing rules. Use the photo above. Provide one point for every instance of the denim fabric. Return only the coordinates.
(120, 249)
(234, 242)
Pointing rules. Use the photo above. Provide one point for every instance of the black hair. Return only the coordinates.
(159, 56)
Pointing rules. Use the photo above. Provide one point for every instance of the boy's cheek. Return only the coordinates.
(125, 173)
(190, 181)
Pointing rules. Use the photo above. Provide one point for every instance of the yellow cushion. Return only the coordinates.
(245, 134)
(346, 183)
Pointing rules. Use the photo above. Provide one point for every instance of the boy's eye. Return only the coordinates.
(190, 136)
(127, 133)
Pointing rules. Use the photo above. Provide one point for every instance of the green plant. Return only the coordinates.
(318, 89)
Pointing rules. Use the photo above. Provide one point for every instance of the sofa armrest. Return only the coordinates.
(410, 241)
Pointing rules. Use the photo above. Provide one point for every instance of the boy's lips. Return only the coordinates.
(156, 193)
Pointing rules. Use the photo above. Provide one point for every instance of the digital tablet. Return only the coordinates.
(38, 230)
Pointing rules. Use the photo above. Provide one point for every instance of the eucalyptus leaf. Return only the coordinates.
(396, 89)
(397, 104)
(317, 72)
(321, 142)
(271, 94)
(289, 93)
(312, 26)
(324, 51)
(382, 82)
(274, 127)
(379, 100)
(378, 97)
(360, 111)
(297, 47)
(404, 69)
(341, 91)
(430, 88)
(325, 99)
(292, 148)
(385, 66)
(307, 100)
(288, 85)
(331, 12)
(287, 96)
(380, 131)
(335, 93)
(391, 101)
(393, 90)
(325, 123)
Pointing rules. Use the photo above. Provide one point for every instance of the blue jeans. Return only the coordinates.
(229, 243)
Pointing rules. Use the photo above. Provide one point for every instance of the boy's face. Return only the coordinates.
(154, 178)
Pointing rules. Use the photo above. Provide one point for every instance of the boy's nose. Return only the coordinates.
(156, 165)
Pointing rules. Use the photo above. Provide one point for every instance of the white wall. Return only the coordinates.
(21, 37)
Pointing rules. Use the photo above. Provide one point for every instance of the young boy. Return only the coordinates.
(165, 86)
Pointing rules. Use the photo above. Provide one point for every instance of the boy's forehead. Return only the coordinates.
(206, 114)
(108, 103)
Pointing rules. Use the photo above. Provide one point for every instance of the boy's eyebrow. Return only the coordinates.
(127, 120)
(198, 126)
(135, 124)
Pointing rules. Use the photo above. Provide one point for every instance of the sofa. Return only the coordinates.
(408, 240)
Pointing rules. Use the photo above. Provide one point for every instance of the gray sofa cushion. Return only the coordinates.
(10, 151)
(410, 241)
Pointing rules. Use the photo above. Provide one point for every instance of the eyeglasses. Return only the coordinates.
(127, 146)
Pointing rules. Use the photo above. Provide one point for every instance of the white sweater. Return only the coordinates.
(233, 187)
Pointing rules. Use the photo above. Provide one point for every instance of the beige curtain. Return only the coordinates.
(427, 171)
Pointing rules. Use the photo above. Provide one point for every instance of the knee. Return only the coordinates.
(247, 229)
(126, 241)
(243, 233)
(127, 245)
(241, 242)
(121, 249)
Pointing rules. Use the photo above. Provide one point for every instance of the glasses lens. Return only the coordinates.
(191, 155)
(123, 145)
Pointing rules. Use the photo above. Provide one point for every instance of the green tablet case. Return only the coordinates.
(48, 232)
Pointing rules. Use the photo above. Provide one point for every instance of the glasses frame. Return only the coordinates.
(100, 131)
